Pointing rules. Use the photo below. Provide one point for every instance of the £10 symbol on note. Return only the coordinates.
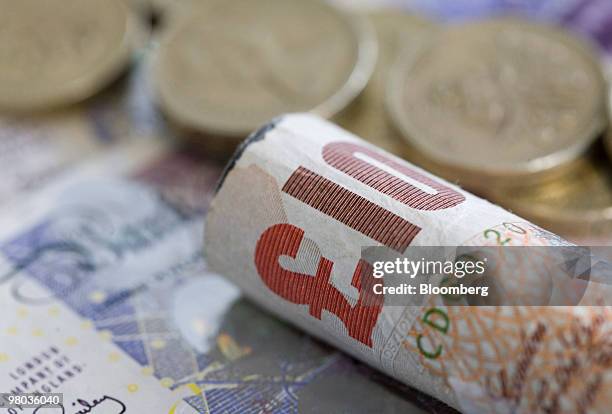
(360, 214)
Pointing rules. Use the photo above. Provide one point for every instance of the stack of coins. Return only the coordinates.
(578, 203)
(493, 102)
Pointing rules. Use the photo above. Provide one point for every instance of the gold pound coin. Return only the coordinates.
(576, 205)
(58, 52)
(366, 117)
(232, 65)
(491, 102)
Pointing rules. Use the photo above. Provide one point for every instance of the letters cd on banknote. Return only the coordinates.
(57, 52)
(231, 65)
(498, 99)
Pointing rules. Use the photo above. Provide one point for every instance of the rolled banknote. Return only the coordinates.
(301, 205)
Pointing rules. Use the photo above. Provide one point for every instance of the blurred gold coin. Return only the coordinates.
(367, 117)
(578, 203)
(140, 6)
(490, 102)
(57, 52)
(167, 6)
(231, 65)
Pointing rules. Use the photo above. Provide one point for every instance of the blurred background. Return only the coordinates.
(509, 99)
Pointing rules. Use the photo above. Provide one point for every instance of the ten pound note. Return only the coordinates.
(298, 205)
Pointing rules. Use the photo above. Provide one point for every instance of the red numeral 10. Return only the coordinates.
(356, 212)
